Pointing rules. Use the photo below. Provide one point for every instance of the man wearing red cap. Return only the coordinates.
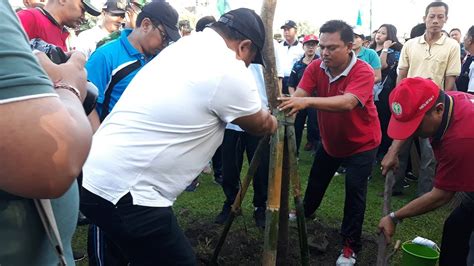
(349, 127)
(419, 108)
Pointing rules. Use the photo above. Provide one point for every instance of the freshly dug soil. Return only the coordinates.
(243, 248)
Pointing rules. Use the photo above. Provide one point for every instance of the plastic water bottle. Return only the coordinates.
(424, 242)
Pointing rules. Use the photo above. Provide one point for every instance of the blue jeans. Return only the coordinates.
(359, 168)
(145, 235)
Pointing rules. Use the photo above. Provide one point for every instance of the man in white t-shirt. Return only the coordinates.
(289, 51)
(113, 14)
(165, 129)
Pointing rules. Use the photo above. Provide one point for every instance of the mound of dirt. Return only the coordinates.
(243, 248)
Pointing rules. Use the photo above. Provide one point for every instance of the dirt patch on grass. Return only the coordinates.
(245, 248)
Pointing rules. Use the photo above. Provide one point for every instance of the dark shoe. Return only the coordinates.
(78, 256)
(218, 180)
(82, 220)
(222, 217)
(193, 186)
(309, 146)
(341, 170)
(405, 184)
(259, 216)
(411, 177)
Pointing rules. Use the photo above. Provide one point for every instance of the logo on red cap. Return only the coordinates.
(396, 108)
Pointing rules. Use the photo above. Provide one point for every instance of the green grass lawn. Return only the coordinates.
(205, 203)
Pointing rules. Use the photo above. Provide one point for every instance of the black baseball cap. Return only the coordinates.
(90, 8)
(115, 7)
(249, 24)
(289, 24)
(204, 22)
(166, 15)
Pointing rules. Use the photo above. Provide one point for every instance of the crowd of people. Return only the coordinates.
(364, 100)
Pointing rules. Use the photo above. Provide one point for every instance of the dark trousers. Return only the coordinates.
(384, 114)
(359, 167)
(457, 231)
(101, 250)
(233, 147)
(145, 235)
(284, 85)
(217, 162)
(312, 129)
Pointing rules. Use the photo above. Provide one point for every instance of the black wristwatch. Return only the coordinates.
(394, 218)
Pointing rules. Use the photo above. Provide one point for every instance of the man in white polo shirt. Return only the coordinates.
(289, 51)
(165, 129)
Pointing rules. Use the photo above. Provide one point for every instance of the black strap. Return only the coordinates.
(122, 73)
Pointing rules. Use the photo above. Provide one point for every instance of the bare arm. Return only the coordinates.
(48, 139)
(299, 101)
(258, 124)
(428, 202)
(449, 83)
(390, 160)
(378, 75)
(383, 59)
(291, 90)
(94, 120)
(402, 73)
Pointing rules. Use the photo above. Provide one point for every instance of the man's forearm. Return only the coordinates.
(426, 203)
(397, 145)
(449, 83)
(341, 103)
(402, 73)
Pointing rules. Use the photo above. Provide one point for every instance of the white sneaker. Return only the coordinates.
(347, 257)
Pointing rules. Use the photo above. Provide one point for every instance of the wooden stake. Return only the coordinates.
(283, 234)
(274, 193)
(296, 187)
(382, 258)
(240, 196)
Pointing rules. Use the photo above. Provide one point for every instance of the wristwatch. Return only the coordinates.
(394, 218)
(385, 50)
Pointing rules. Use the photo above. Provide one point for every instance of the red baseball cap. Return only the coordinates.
(310, 38)
(409, 102)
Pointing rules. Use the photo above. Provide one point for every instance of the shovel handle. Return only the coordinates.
(397, 245)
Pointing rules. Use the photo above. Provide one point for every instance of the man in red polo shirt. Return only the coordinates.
(349, 126)
(49, 23)
(421, 109)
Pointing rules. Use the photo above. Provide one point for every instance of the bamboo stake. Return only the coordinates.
(382, 259)
(270, 71)
(277, 142)
(274, 193)
(296, 187)
(253, 167)
(283, 234)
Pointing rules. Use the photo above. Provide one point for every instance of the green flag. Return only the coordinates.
(222, 6)
(359, 18)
